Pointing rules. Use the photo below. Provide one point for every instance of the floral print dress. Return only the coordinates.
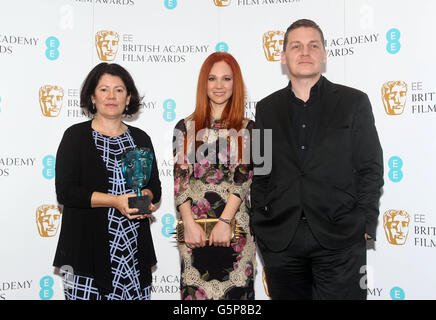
(210, 272)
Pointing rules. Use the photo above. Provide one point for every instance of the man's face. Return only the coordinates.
(397, 229)
(51, 101)
(273, 43)
(394, 99)
(305, 54)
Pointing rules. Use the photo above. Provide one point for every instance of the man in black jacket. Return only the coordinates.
(314, 211)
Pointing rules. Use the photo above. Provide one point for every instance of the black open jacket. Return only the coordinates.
(84, 239)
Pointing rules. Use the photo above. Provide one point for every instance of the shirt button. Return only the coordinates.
(303, 147)
(303, 126)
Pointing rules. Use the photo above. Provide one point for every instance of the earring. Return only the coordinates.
(94, 109)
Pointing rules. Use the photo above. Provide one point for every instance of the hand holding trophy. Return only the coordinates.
(136, 168)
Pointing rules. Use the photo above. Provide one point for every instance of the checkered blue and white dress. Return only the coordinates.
(123, 234)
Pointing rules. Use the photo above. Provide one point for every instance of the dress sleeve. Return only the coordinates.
(182, 168)
(243, 171)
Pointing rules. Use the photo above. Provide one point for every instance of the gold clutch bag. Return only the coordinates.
(207, 225)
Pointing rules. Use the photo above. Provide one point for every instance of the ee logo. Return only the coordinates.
(169, 106)
(170, 4)
(397, 293)
(52, 52)
(46, 284)
(168, 225)
(395, 164)
(393, 37)
(49, 167)
(221, 47)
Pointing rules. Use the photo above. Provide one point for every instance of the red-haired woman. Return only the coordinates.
(212, 177)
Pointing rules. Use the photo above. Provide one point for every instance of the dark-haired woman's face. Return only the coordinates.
(220, 84)
(110, 96)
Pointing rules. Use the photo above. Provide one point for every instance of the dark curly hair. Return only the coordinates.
(91, 81)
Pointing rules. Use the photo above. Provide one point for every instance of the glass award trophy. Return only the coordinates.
(136, 168)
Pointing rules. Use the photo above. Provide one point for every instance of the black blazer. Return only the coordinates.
(338, 184)
(84, 241)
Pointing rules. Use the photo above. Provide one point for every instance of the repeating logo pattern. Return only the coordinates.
(106, 43)
(396, 226)
(168, 221)
(48, 163)
(222, 47)
(394, 94)
(393, 37)
(222, 3)
(46, 284)
(397, 293)
(169, 107)
(48, 219)
(50, 100)
(272, 42)
(52, 44)
(170, 4)
(395, 173)
(401, 233)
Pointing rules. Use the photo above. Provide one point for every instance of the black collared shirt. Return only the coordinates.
(303, 116)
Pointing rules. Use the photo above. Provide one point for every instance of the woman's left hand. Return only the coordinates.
(220, 235)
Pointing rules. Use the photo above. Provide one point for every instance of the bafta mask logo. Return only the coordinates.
(106, 43)
(222, 3)
(47, 220)
(396, 225)
(394, 95)
(50, 100)
(273, 45)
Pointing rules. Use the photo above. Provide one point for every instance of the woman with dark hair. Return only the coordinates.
(105, 247)
(212, 177)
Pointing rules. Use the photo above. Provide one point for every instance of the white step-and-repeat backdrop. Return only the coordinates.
(385, 48)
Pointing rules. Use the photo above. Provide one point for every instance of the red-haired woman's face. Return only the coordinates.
(220, 84)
